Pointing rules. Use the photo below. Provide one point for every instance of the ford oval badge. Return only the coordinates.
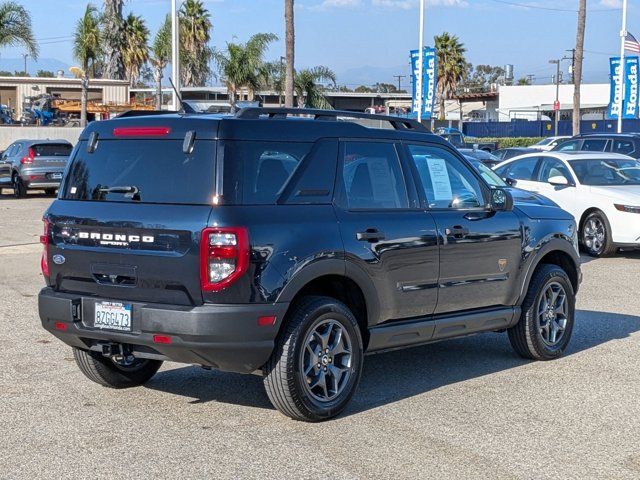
(58, 259)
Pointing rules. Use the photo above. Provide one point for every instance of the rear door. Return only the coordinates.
(480, 250)
(522, 173)
(129, 219)
(5, 165)
(386, 234)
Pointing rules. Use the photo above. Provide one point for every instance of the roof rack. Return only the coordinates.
(144, 113)
(397, 123)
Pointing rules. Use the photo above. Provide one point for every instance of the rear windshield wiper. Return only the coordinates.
(131, 191)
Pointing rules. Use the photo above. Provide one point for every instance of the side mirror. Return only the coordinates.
(501, 200)
(559, 181)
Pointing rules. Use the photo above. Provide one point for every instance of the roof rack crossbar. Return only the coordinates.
(398, 123)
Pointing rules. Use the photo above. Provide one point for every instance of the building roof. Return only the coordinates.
(61, 81)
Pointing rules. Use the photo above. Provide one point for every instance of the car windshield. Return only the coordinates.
(545, 141)
(485, 172)
(599, 172)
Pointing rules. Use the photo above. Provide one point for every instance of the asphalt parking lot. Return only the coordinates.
(466, 408)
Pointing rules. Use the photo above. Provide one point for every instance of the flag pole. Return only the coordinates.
(420, 66)
(623, 35)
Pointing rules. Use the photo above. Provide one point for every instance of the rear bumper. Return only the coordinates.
(225, 337)
(40, 177)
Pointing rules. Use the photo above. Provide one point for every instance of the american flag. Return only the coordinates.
(631, 44)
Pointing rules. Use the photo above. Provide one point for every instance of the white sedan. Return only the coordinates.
(601, 190)
(548, 143)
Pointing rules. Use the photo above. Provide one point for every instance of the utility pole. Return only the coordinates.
(573, 65)
(399, 77)
(623, 34)
(175, 54)
(25, 55)
(556, 104)
(420, 58)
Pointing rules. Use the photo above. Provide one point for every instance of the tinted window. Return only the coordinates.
(256, 172)
(594, 145)
(623, 146)
(158, 169)
(568, 146)
(522, 169)
(447, 181)
(52, 150)
(552, 167)
(372, 177)
(607, 172)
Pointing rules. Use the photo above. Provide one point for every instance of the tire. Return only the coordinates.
(19, 190)
(315, 322)
(527, 337)
(106, 372)
(50, 191)
(595, 235)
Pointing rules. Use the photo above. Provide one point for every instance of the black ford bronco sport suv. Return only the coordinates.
(290, 243)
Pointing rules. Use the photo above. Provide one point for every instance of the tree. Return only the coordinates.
(290, 40)
(524, 81)
(241, 65)
(86, 49)
(136, 50)
(482, 77)
(45, 74)
(15, 28)
(451, 66)
(363, 89)
(113, 39)
(160, 56)
(577, 67)
(308, 89)
(195, 33)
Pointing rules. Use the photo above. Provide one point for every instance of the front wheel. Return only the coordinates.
(317, 362)
(547, 318)
(115, 372)
(596, 236)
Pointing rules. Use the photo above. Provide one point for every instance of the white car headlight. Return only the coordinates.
(627, 208)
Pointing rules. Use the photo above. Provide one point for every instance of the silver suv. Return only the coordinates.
(34, 164)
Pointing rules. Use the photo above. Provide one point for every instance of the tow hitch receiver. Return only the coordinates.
(111, 349)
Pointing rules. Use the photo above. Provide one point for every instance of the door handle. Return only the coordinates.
(457, 231)
(370, 235)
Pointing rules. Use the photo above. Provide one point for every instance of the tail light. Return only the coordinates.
(44, 240)
(224, 256)
(31, 154)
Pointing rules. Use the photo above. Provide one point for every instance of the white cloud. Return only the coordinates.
(330, 4)
(409, 4)
(611, 3)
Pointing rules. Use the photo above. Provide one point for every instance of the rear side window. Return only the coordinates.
(145, 171)
(624, 147)
(52, 150)
(520, 169)
(372, 176)
(256, 172)
(595, 145)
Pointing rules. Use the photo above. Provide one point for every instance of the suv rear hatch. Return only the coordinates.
(131, 211)
(47, 160)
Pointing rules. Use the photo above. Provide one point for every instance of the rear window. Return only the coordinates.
(144, 171)
(52, 150)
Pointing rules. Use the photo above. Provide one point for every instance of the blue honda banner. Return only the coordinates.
(429, 81)
(630, 104)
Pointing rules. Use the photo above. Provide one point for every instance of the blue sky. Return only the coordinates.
(365, 41)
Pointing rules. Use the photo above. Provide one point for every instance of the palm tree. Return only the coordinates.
(160, 56)
(113, 39)
(577, 64)
(242, 66)
(451, 66)
(15, 28)
(290, 39)
(307, 88)
(136, 50)
(195, 33)
(86, 49)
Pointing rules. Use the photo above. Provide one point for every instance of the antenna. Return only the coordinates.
(185, 107)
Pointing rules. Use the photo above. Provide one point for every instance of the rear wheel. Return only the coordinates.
(316, 365)
(19, 190)
(115, 372)
(547, 318)
(596, 236)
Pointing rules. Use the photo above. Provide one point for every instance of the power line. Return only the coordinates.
(552, 9)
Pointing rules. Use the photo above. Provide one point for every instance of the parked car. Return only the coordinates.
(458, 139)
(623, 143)
(34, 165)
(485, 157)
(601, 191)
(506, 153)
(190, 238)
(548, 143)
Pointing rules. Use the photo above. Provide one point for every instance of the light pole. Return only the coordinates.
(556, 104)
(623, 35)
(419, 79)
(175, 54)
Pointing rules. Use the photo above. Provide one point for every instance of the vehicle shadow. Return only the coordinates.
(6, 193)
(627, 254)
(394, 376)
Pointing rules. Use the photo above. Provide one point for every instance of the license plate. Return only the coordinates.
(113, 316)
(55, 176)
